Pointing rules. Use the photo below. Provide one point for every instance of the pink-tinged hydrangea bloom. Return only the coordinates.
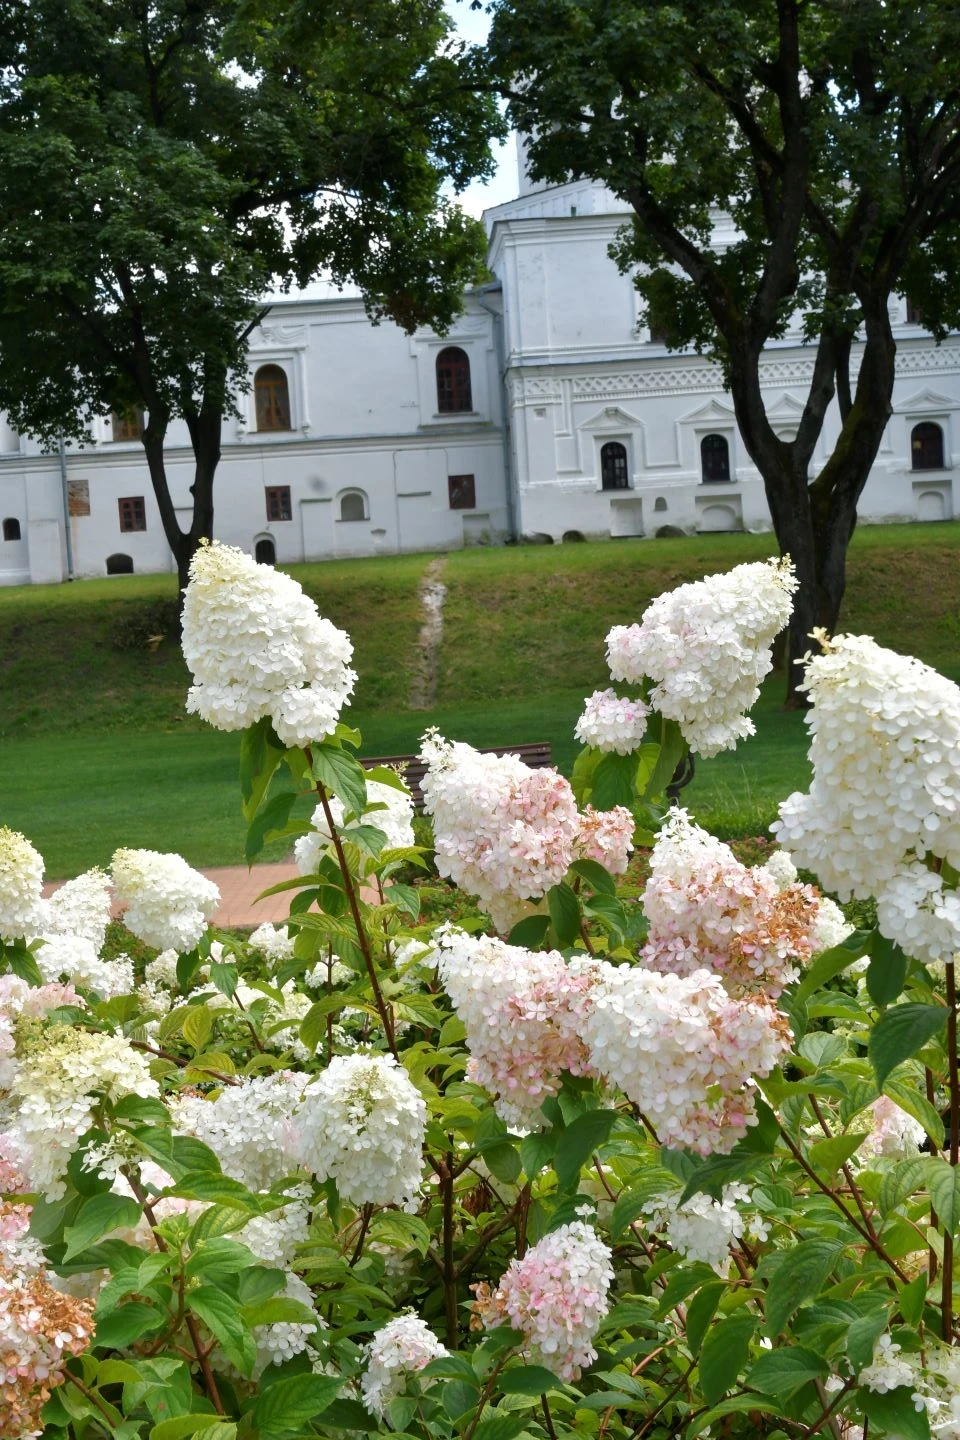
(522, 1012)
(892, 1131)
(707, 647)
(612, 723)
(682, 1050)
(399, 1349)
(256, 646)
(503, 832)
(884, 803)
(39, 1330)
(557, 1295)
(21, 886)
(606, 836)
(707, 911)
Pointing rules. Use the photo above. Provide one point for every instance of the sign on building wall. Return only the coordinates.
(78, 497)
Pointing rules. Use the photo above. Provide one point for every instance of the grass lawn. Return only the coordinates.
(96, 742)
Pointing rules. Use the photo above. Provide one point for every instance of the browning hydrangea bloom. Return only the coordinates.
(168, 903)
(682, 1050)
(21, 886)
(362, 1121)
(557, 1295)
(707, 646)
(257, 646)
(883, 806)
(522, 1012)
(708, 911)
(39, 1330)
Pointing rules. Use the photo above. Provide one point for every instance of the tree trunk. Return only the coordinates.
(205, 438)
(814, 522)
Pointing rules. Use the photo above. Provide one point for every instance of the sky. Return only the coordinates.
(473, 26)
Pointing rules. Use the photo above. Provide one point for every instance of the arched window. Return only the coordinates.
(453, 381)
(714, 458)
(353, 505)
(127, 424)
(613, 466)
(11, 529)
(273, 398)
(265, 552)
(119, 564)
(926, 446)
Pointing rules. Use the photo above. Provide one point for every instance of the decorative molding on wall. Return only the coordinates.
(702, 378)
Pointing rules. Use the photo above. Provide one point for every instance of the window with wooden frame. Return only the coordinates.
(278, 502)
(613, 466)
(914, 313)
(127, 424)
(454, 392)
(133, 513)
(463, 492)
(272, 394)
(714, 458)
(926, 446)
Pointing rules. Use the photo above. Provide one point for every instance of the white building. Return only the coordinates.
(546, 412)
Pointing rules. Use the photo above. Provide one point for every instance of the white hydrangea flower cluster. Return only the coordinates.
(612, 723)
(168, 903)
(362, 1121)
(890, 1369)
(884, 802)
(162, 970)
(892, 1132)
(21, 886)
(504, 832)
(522, 1011)
(274, 1238)
(80, 907)
(707, 647)
(256, 646)
(249, 1126)
(557, 1295)
(395, 820)
(60, 1073)
(830, 926)
(280, 1341)
(708, 911)
(273, 943)
(682, 1050)
(76, 959)
(702, 1228)
(399, 1349)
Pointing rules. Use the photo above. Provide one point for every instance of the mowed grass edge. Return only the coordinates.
(97, 750)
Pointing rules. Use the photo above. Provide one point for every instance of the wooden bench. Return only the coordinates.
(412, 768)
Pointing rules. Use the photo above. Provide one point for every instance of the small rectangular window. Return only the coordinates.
(133, 513)
(463, 492)
(278, 502)
(78, 497)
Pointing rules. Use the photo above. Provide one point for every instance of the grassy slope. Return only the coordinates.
(96, 739)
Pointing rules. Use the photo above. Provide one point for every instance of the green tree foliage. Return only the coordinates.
(164, 164)
(826, 138)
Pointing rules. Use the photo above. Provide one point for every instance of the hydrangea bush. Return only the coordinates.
(584, 1164)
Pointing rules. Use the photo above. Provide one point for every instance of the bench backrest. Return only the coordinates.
(413, 769)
